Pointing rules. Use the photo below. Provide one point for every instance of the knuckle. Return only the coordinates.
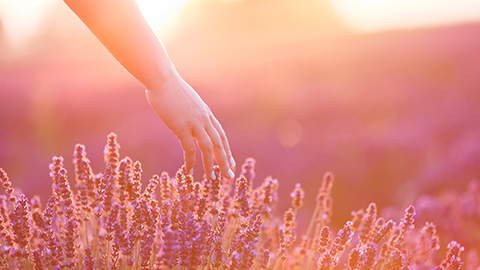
(208, 146)
(220, 129)
(225, 168)
(189, 151)
(222, 134)
(218, 147)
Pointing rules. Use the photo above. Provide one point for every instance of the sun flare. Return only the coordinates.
(160, 14)
(20, 20)
(378, 15)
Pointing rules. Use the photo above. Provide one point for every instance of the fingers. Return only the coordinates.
(206, 147)
(226, 145)
(220, 152)
(213, 144)
(188, 146)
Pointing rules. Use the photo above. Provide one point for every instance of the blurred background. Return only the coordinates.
(385, 94)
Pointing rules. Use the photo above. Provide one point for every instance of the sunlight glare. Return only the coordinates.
(377, 15)
(161, 14)
(21, 19)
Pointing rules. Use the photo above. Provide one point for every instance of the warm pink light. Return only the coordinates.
(376, 15)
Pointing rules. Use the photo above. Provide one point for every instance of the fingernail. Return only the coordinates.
(191, 171)
(232, 162)
(213, 176)
(230, 173)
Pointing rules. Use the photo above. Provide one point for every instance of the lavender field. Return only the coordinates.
(394, 116)
(110, 222)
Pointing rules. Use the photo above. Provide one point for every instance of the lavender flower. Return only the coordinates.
(109, 222)
(165, 187)
(111, 151)
(242, 202)
(324, 239)
(297, 196)
(20, 223)
(452, 261)
(368, 221)
(5, 182)
(248, 170)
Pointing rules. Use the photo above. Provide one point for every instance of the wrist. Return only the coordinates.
(162, 78)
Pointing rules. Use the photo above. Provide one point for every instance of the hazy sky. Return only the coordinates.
(378, 15)
(21, 18)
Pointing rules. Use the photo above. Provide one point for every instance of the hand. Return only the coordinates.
(189, 118)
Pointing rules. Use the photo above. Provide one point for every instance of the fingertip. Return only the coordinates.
(188, 153)
(231, 174)
(189, 165)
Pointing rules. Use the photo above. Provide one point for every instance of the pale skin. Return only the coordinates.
(122, 29)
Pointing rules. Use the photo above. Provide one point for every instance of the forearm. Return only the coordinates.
(122, 29)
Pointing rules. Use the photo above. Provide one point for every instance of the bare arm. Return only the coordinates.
(122, 29)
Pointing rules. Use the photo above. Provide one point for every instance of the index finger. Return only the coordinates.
(224, 139)
(188, 146)
(206, 147)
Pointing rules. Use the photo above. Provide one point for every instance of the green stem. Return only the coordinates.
(122, 262)
(209, 260)
(108, 255)
(153, 257)
(313, 252)
(230, 240)
(96, 238)
(79, 256)
(215, 217)
(279, 264)
(136, 255)
(312, 220)
(24, 263)
(214, 226)
(85, 226)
